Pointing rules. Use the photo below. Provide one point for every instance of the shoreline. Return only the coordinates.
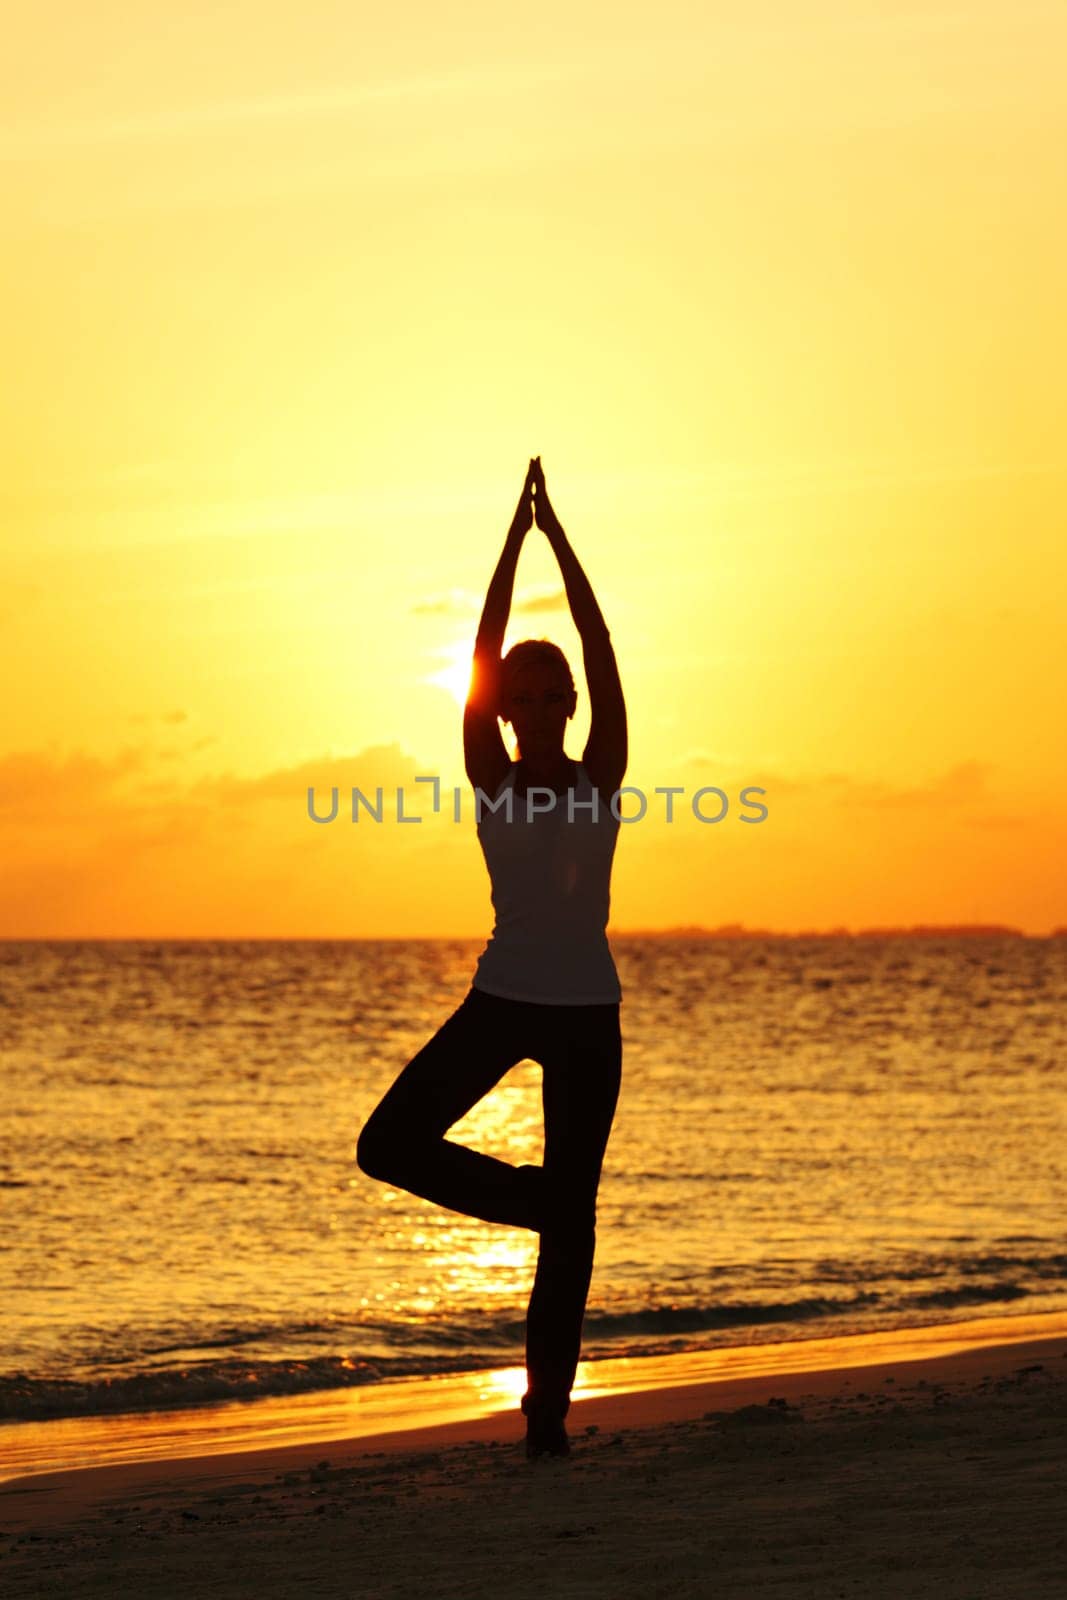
(929, 1477)
(167, 1453)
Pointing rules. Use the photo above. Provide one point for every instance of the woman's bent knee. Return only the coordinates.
(374, 1150)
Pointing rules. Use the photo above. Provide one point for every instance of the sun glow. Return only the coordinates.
(506, 1386)
(455, 675)
(263, 466)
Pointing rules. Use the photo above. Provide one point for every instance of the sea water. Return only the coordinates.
(813, 1136)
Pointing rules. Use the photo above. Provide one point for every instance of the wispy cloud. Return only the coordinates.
(462, 603)
(735, 480)
(693, 54)
(498, 81)
(42, 788)
(966, 783)
(555, 600)
(960, 785)
(171, 717)
(45, 791)
(455, 603)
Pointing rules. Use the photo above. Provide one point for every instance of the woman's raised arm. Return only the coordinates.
(484, 752)
(606, 749)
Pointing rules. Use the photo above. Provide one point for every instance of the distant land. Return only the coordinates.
(919, 930)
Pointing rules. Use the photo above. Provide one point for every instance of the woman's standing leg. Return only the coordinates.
(582, 1064)
(403, 1143)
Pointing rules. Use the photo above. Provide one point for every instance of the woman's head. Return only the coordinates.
(537, 695)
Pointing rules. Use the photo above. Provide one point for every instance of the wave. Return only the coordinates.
(456, 1345)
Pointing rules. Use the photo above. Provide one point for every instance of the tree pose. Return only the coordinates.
(545, 987)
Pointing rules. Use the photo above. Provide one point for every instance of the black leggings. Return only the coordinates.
(402, 1143)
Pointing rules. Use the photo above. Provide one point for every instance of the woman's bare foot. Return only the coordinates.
(545, 1432)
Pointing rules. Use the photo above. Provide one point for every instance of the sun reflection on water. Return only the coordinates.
(493, 1265)
(503, 1388)
(506, 1386)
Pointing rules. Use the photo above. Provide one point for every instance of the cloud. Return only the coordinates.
(555, 600)
(39, 786)
(966, 783)
(169, 717)
(494, 81)
(701, 757)
(462, 603)
(455, 603)
(960, 785)
(680, 55)
(383, 766)
(79, 792)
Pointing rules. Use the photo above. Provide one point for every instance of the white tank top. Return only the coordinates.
(551, 894)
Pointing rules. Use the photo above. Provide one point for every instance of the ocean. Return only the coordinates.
(815, 1136)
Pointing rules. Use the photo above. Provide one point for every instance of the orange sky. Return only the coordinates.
(291, 298)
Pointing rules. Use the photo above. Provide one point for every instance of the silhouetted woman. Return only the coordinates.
(545, 987)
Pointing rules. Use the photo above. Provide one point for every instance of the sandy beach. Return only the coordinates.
(894, 1472)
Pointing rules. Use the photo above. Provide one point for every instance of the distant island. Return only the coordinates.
(920, 930)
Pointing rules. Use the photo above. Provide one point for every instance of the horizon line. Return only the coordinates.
(727, 930)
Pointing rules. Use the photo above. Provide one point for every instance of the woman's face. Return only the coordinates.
(538, 703)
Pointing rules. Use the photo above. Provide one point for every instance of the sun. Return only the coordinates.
(455, 675)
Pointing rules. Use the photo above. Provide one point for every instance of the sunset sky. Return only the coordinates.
(291, 296)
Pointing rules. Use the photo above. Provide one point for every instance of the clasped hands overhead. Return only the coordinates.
(534, 501)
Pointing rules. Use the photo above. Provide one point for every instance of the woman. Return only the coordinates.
(545, 987)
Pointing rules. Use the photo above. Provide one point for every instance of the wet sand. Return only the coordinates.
(890, 1472)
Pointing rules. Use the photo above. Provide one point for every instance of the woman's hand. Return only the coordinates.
(522, 521)
(547, 520)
